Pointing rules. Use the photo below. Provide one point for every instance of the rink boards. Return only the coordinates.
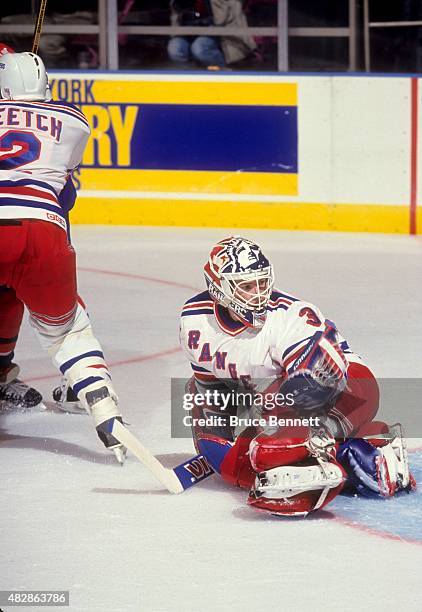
(288, 152)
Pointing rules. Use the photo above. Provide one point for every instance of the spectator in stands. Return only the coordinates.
(207, 50)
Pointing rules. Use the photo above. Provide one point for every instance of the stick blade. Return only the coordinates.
(165, 476)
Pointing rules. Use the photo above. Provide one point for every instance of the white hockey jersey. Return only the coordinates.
(40, 143)
(220, 349)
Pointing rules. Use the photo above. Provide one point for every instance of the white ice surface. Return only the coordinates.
(70, 518)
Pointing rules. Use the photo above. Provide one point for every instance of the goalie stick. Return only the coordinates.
(175, 480)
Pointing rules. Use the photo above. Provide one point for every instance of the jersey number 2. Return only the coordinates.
(18, 149)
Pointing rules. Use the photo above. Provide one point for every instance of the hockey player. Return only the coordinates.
(41, 142)
(243, 335)
(13, 393)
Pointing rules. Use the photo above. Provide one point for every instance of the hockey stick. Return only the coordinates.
(175, 480)
(38, 26)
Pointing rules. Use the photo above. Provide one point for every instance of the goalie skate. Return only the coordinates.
(15, 394)
(66, 400)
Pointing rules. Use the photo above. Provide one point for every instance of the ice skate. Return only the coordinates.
(66, 400)
(15, 394)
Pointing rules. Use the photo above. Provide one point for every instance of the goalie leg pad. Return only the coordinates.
(229, 459)
(296, 471)
(296, 490)
(285, 447)
(236, 467)
(357, 405)
(375, 432)
(290, 446)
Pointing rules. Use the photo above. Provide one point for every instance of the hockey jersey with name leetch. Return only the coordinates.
(40, 144)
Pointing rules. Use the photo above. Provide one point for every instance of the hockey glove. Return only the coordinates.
(109, 441)
(103, 408)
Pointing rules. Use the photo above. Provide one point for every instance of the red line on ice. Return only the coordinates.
(381, 534)
(150, 279)
(114, 364)
(141, 358)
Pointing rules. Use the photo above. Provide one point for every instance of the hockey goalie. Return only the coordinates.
(300, 453)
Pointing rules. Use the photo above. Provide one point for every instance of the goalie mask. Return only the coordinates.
(240, 277)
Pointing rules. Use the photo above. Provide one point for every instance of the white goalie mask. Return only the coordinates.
(240, 277)
(23, 77)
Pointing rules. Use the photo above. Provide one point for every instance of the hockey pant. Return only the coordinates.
(38, 270)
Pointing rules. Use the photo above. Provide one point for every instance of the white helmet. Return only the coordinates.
(241, 278)
(23, 77)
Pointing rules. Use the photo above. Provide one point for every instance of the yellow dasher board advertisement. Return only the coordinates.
(176, 149)
(321, 152)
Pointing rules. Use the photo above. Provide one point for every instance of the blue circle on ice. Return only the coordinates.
(398, 516)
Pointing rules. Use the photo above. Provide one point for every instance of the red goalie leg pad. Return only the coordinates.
(299, 505)
(253, 453)
(304, 502)
(236, 467)
(285, 447)
(359, 403)
(373, 432)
